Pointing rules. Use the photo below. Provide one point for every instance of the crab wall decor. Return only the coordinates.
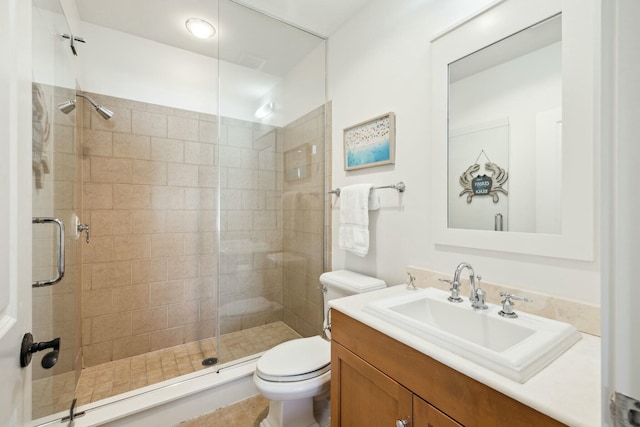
(483, 185)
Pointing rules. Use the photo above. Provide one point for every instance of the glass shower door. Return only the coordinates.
(55, 206)
(272, 181)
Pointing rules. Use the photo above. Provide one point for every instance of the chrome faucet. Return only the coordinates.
(507, 304)
(476, 295)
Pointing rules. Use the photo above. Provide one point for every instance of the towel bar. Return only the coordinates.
(399, 186)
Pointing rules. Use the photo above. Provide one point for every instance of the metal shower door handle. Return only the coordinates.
(60, 273)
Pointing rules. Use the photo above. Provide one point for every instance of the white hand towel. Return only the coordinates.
(355, 203)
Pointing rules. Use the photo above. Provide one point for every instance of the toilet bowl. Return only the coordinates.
(290, 375)
(295, 372)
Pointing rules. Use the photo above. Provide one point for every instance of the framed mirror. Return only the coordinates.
(514, 129)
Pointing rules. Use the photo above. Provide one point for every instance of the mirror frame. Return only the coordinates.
(580, 124)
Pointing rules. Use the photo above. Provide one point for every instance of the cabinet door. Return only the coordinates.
(425, 415)
(363, 396)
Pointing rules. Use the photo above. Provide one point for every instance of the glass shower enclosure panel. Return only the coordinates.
(272, 174)
(220, 260)
(55, 206)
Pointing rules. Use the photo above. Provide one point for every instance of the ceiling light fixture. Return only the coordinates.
(200, 28)
(264, 111)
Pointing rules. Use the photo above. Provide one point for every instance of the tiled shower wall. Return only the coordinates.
(150, 271)
(56, 193)
(303, 221)
(250, 224)
(149, 196)
(271, 252)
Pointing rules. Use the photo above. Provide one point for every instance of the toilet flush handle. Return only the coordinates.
(327, 327)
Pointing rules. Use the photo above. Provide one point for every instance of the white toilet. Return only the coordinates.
(291, 374)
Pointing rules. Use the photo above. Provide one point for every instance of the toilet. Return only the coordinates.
(295, 372)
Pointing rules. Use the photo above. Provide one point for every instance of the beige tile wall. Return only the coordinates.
(150, 178)
(272, 227)
(56, 308)
(250, 223)
(303, 225)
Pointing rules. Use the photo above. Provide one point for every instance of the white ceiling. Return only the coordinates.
(244, 37)
(322, 17)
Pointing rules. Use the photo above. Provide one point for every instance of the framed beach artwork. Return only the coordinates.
(370, 143)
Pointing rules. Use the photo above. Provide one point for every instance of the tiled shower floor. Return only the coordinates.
(109, 379)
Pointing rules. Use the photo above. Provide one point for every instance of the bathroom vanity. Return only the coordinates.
(382, 375)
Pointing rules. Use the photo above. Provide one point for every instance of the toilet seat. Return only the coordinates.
(295, 360)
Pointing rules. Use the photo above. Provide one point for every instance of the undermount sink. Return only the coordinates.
(515, 348)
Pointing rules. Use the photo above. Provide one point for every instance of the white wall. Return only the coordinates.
(308, 77)
(72, 15)
(379, 61)
(53, 63)
(121, 65)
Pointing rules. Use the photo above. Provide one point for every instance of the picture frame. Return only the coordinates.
(370, 143)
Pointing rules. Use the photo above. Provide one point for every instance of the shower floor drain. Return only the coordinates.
(210, 361)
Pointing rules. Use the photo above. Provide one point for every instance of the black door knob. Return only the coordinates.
(29, 347)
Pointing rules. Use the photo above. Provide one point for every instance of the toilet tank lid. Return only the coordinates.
(351, 281)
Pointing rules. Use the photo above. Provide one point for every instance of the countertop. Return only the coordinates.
(568, 389)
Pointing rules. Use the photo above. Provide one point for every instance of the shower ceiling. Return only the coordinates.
(163, 21)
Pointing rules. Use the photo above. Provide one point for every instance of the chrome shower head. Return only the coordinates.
(68, 106)
(104, 112)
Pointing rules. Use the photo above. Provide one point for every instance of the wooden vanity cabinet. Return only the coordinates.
(376, 380)
(425, 415)
(366, 396)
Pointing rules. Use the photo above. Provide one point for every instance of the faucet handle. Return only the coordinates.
(507, 304)
(508, 295)
(455, 289)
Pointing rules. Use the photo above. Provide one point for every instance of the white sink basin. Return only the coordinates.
(516, 348)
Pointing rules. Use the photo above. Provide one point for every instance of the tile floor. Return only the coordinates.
(56, 393)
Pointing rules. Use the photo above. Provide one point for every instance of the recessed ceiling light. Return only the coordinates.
(200, 28)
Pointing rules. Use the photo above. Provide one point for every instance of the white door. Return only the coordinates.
(15, 208)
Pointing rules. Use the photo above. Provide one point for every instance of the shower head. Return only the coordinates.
(104, 112)
(68, 106)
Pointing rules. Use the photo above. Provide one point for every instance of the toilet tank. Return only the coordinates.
(342, 283)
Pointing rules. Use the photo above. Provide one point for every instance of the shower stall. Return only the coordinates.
(191, 200)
